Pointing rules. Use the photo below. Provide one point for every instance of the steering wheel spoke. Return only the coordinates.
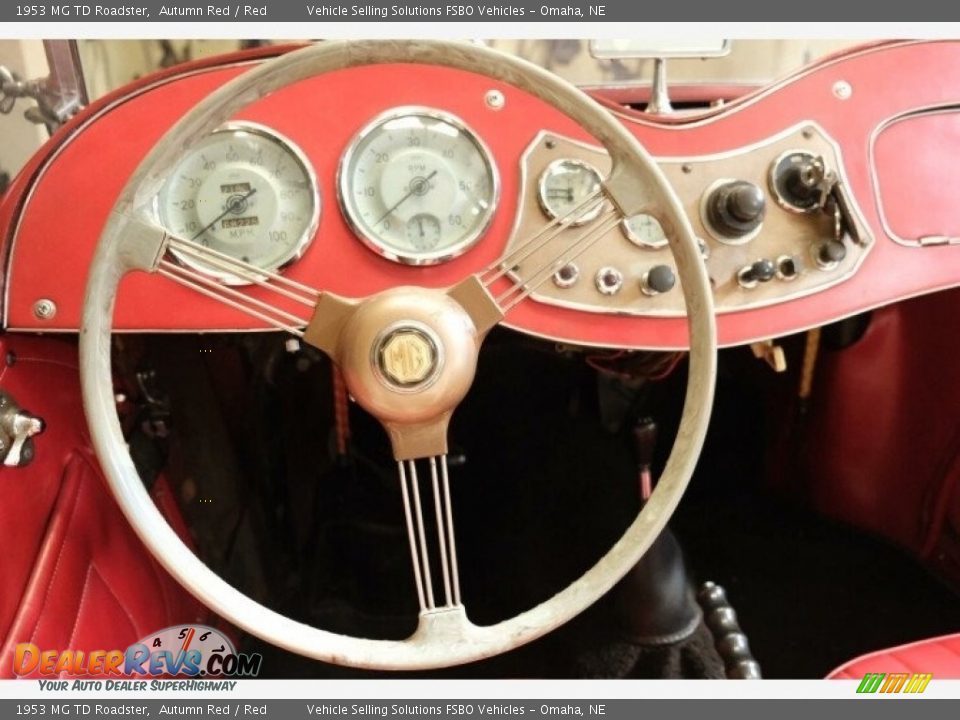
(237, 271)
(147, 247)
(203, 284)
(474, 297)
(428, 595)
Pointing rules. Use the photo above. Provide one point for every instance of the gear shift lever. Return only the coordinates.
(645, 443)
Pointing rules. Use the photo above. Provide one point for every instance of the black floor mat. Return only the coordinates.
(546, 476)
(810, 594)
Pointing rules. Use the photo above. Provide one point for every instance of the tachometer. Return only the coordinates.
(244, 191)
(418, 186)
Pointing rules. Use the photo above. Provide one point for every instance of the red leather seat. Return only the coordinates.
(73, 574)
(939, 656)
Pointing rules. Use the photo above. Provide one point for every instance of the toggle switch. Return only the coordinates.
(763, 270)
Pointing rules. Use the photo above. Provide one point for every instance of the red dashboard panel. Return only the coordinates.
(925, 183)
(56, 213)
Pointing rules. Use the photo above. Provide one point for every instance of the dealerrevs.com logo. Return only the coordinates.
(182, 650)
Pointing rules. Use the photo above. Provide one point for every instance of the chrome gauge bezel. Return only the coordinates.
(636, 240)
(371, 239)
(584, 217)
(299, 248)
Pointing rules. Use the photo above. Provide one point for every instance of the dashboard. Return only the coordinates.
(813, 199)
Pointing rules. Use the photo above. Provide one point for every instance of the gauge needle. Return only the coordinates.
(415, 186)
(566, 193)
(230, 207)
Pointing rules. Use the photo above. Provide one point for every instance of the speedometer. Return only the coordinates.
(418, 186)
(244, 191)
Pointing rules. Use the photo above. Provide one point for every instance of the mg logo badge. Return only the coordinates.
(407, 356)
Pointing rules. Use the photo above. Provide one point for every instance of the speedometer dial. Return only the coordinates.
(244, 191)
(418, 186)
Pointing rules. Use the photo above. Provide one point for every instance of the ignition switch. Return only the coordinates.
(801, 181)
(17, 429)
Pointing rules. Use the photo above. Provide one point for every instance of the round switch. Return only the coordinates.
(735, 209)
(566, 276)
(829, 253)
(658, 279)
(609, 280)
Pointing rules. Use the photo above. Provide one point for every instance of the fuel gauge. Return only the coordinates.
(566, 185)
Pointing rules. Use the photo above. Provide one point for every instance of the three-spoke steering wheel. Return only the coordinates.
(408, 356)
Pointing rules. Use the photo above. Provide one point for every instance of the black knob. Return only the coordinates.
(762, 270)
(831, 252)
(736, 208)
(27, 453)
(659, 279)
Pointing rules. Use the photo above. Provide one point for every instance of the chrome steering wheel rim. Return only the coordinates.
(130, 242)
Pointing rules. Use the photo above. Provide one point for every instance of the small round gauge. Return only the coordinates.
(244, 191)
(645, 231)
(418, 186)
(565, 185)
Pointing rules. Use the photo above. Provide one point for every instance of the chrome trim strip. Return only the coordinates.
(921, 111)
(772, 88)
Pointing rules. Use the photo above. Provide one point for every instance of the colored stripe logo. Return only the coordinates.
(913, 683)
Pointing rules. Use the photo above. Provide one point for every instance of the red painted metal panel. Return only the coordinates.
(66, 211)
(919, 198)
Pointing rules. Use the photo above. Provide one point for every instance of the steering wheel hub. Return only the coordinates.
(408, 356)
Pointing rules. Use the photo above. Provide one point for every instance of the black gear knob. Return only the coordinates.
(736, 208)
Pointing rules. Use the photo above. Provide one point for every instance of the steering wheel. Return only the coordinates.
(408, 356)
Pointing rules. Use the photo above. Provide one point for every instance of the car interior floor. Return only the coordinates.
(539, 493)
